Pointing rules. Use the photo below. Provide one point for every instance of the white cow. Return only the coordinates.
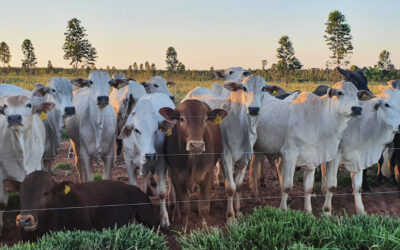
(362, 144)
(143, 142)
(92, 129)
(305, 132)
(157, 84)
(238, 129)
(22, 136)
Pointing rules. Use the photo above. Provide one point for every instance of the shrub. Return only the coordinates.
(270, 228)
(97, 177)
(127, 237)
(62, 166)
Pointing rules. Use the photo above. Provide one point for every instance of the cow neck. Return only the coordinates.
(53, 124)
(96, 118)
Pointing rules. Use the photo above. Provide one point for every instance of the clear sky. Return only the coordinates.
(219, 33)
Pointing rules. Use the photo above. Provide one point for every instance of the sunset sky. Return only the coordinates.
(219, 33)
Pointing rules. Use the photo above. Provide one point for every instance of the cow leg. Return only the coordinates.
(241, 171)
(205, 194)
(230, 186)
(255, 165)
(108, 162)
(286, 170)
(379, 174)
(219, 178)
(78, 161)
(132, 174)
(308, 180)
(85, 160)
(47, 162)
(3, 202)
(162, 194)
(357, 189)
(329, 172)
(365, 185)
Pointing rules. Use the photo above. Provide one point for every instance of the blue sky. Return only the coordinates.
(205, 33)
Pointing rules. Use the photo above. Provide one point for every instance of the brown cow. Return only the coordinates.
(193, 149)
(40, 191)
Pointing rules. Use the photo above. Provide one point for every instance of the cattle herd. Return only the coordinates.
(229, 126)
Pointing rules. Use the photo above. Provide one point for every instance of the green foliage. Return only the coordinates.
(173, 65)
(63, 166)
(338, 37)
(97, 177)
(5, 55)
(76, 47)
(127, 237)
(271, 228)
(287, 62)
(29, 60)
(384, 62)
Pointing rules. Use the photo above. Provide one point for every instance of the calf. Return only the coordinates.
(192, 150)
(81, 206)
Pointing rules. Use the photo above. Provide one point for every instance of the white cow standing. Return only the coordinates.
(305, 132)
(92, 129)
(362, 144)
(143, 144)
(22, 135)
(238, 129)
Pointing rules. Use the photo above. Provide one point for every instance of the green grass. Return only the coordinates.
(97, 177)
(271, 228)
(127, 237)
(62, 166)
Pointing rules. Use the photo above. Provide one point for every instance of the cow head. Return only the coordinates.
(45, 193)
(386, 113)
(345, 99)
(191, 118)
(99, 88)
(233, 74)
(60, 93)
(356, 77)
(249, 94)
(19, 111)
(158, 84)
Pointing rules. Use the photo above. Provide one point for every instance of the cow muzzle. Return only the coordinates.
(69, 111)
(14, 120)
(195, 147)
(356, 111)
(254, 111)
(26, 221)
(102, 101)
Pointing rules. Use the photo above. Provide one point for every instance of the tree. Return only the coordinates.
(338, 37)
(147, 66)
(135, 67)
(384, 62)
(153, 67)
(141, 67)
(29, 60)
(180, 67)
(76, 47)
(172, 61)
(287, 62)
(49, 66)
(5, 55)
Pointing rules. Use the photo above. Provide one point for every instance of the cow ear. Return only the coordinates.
(126, 132)
(219, 75)
(44, 107)
(40, 90)
(145, 84)
(166, 127)
(12, 185)
(271, 88)
(246, 73)
(377, 105)
(169, 114)
(81, 83)
(113, 83)
(171, 84)
(331, 92)
(63, 187)
(342, 71)
(364, 95)
(233, 86)
(363, 70)
(216, 115)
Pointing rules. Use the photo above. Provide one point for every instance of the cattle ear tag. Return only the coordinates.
(217, 120)
(169, 132)
(67, 189)
(43, 116)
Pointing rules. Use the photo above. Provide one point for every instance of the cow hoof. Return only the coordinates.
(165, 223)
(239, 214)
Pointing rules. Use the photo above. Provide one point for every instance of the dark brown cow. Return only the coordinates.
(193, 149)
(40, 191)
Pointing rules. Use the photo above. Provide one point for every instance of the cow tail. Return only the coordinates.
(119, 146)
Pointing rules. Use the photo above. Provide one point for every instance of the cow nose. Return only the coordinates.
(69, 110)
(14, 119)
(23, 221)
(172, 97)
(151, 157)
(355, 110)
(254, 110)
(102, 100)
(195, 146)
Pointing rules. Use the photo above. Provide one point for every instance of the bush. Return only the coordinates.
(62, 166)
(97, 177)
(127, 237)
(270, 228)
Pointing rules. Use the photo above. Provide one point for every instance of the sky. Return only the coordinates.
(218, 33)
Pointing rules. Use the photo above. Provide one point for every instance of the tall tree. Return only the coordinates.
(180, 67)
(135, 67)
(29, 60)
(338, 37)
(76, 47)
(172, 60)
(287, 62)
(141, 67)
(147, 66)
(384, 62)
(49, 66)
(5, 55)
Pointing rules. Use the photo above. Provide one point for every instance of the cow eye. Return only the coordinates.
(264, 89)
(53, 90)
(340, 93)
(181, 119)
(230, 72)
(5, 106)
(137, 131)
(244, 89)
(29, 105)
(387, 105)
(156, 85)
(45, 192)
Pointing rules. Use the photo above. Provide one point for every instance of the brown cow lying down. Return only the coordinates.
(193, 149)
(39, 191)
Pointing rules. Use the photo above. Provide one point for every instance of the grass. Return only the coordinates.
(271, 228)
(62, 166)
(97, 177)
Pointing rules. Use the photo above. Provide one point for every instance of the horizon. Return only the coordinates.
(219, 34)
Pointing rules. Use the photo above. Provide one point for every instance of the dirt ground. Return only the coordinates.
(270, 196)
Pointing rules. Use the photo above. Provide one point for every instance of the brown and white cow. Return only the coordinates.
(94, 199)
(192, 150)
